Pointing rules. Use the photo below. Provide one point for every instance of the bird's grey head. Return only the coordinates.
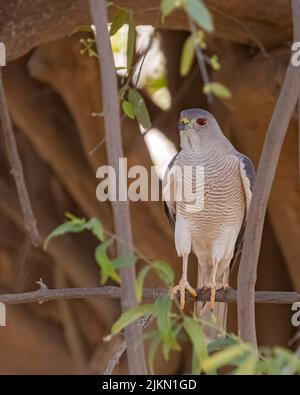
(198, 128)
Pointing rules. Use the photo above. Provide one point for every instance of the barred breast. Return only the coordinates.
(221, 188)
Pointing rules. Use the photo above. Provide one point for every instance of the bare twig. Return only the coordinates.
(45, 294)
(17, 169)
(265, 175)
(111, 107)
(144, 323)
(200, 60)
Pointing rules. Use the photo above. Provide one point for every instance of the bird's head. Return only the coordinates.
(198, 127)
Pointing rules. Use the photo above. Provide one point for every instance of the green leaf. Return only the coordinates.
(164, 272)
(96, 227)
(220, 343)
(76, 225)
(107, 269)
(130, 42)
(149, 335)
(199, 13)
(82, 28)
(214, 62)
(157, 82)
(163, 313)
(130, 316)
(217, 89)
(120, 19)
(187, 56)
(128, 109)
(195, 332)
(152, 351)
(124, 261)
(139, 108)
(72, 226)
(247, 366)
(224, 357)
(166, 7)
(140, 282)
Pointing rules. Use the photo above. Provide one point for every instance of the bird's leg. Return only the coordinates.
(213, 286)
(183, 284)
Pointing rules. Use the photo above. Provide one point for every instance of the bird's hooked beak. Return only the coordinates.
(184, 124)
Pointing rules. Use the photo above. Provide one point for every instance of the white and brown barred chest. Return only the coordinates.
(221, 188)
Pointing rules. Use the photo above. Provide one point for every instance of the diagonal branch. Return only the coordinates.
(114, 360)
(111, 107)
(200, 60)
(265, 175)
(17, 169)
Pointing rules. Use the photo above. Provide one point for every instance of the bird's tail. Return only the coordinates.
(203, 312)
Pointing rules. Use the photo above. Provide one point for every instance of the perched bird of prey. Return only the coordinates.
(209, 218)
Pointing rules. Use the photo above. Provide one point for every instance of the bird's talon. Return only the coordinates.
(181, 287)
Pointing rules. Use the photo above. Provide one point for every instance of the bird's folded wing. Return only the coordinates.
(247, 173)
(248, 177)
(168, 193)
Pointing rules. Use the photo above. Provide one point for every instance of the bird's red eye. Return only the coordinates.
(201, 121)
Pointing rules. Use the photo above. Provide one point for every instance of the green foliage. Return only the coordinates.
(197, 10)
(167, 6)
(162, 269)
(173, 325)
(107, 270)
(108, 267)
(195, 332)
(224, 357)
(166, 328)
(124, 16)
(164, 272)
(188, 51)
(140, 282)
(156, 82)
(81, 29)
(130, 42)
(217, 89)
(139, 107)
(152, 351)
(121, 18)
(130, 316)
(247, 365)
(77, 225)
(214, 62)
(128, 109)
(187, 56)
(124, 261)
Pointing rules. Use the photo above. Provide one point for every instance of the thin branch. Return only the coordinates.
(149, 294)
(265, 175)
(144, 323)
(17, 169)
(201, 60)
(122, 225)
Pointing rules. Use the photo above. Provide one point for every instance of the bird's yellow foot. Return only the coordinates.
(181, 287)
(213, 288)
